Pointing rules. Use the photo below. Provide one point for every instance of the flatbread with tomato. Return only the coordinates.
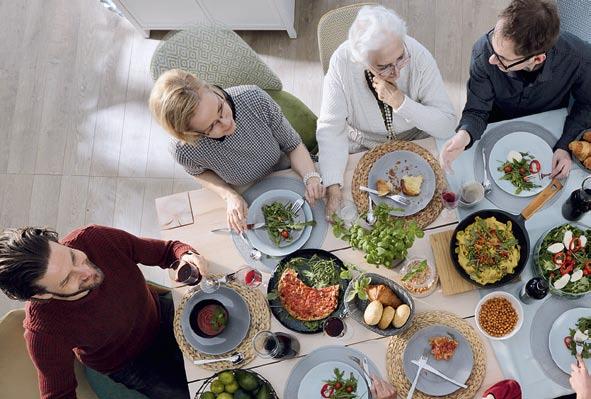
(303, 302)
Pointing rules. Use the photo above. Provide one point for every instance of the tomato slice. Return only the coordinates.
(326, 391)
(534, 166)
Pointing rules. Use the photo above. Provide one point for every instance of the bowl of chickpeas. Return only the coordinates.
(499, 315)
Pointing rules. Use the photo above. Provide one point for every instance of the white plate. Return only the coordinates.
(260, 238)
(520, 142)
(560, 329)
(315, 378)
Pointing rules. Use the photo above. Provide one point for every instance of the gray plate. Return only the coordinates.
(458, 367)
(325, 354)
(403, 163)
(356, 307)
(260, 237)
(235, 331)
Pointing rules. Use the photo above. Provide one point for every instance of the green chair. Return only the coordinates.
(219, 56)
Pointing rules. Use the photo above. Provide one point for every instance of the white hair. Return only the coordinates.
(372, 28)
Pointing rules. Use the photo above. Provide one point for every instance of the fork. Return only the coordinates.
(394, 197)
(362, 366)
(254, 253)
(421, 363)
(486, 184)
(297, 205)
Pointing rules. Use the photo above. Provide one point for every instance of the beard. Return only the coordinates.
(88, 286)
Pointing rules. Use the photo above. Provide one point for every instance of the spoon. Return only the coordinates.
(254, 253)
(370, 218)
(486, 184)
(236, 358)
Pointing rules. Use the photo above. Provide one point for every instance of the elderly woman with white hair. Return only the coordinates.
(381, 85)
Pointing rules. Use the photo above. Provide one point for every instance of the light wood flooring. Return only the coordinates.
(78, 143)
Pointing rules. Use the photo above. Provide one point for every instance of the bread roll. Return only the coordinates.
(387, 317)
(587, 136)
(411, 185)
(580, 149)
(384, 294)
(587, 162)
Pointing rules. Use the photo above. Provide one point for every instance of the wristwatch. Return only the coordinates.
(309, 175)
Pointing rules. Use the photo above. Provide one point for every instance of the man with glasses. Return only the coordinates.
(381, 85)
(523, 66)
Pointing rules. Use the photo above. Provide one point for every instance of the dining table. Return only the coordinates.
(511, 358)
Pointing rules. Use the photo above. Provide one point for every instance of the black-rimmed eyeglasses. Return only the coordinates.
(489, 37)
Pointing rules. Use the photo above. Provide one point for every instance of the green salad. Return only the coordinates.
(280, 222)
(517, 171)
(564, 259)
(339, 387)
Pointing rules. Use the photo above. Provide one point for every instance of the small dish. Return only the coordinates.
(471, 193)
(423, 283)
(514, 303)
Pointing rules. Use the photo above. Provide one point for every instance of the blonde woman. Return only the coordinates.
(227, 138)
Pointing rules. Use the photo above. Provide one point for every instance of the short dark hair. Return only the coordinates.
(24, 254)
(533, 25)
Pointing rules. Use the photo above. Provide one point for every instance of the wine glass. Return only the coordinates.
(348, 212)
(187, 273)
(449, 198)
(335, 327)
(247, 275)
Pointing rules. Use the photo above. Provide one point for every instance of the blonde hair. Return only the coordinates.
(173, 101)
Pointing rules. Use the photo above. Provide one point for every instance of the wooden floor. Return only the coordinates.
(78, 143)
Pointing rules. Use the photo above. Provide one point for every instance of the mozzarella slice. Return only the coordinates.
(583, 240)
(568, 236)
(514, 155)
(562, 282)
(580, 336)
(577, 275)
(555, 248)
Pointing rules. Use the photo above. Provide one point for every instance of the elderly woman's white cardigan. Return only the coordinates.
(347, 100)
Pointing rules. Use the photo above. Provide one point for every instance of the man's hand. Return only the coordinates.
(561, 164)
(382, 390)
(580, 381)
(197, 260)
(388, 92)
(333, 200)
(314, 190)
(453, 148)
(236, 210)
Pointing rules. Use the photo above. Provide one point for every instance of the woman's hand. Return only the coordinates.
(314, 190)
(580, 381)
(388, 92)
(333, 200)
(382, 390)
(236, 210)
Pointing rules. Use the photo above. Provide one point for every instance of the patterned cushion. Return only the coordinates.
(216, 55)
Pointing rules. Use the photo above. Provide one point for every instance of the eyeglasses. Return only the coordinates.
(398, 65)
(489, 37)
(221, 102)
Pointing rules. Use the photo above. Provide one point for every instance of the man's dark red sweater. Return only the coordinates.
(108, 327)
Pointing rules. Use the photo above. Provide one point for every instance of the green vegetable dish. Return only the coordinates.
(577, 341)
(280, 221)
(383, 243)
(564, 260)
(339, 387)
(517, 172)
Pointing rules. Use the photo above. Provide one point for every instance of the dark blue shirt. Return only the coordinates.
(494, 95)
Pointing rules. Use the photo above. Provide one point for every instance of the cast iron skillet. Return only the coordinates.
(518, 227)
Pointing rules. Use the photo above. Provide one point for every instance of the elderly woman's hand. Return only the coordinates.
(388, 92)
(236, 210)
(333, 200)
(382, 390)
(314, 190)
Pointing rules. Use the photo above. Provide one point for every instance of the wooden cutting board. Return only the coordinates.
(451, 281)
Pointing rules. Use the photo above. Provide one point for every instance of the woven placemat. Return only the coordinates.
(360, 178)
(260, 320)
(397, 346)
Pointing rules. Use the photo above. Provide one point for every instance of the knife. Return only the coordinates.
(440, 374)
(366, 369)
(250, 226)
